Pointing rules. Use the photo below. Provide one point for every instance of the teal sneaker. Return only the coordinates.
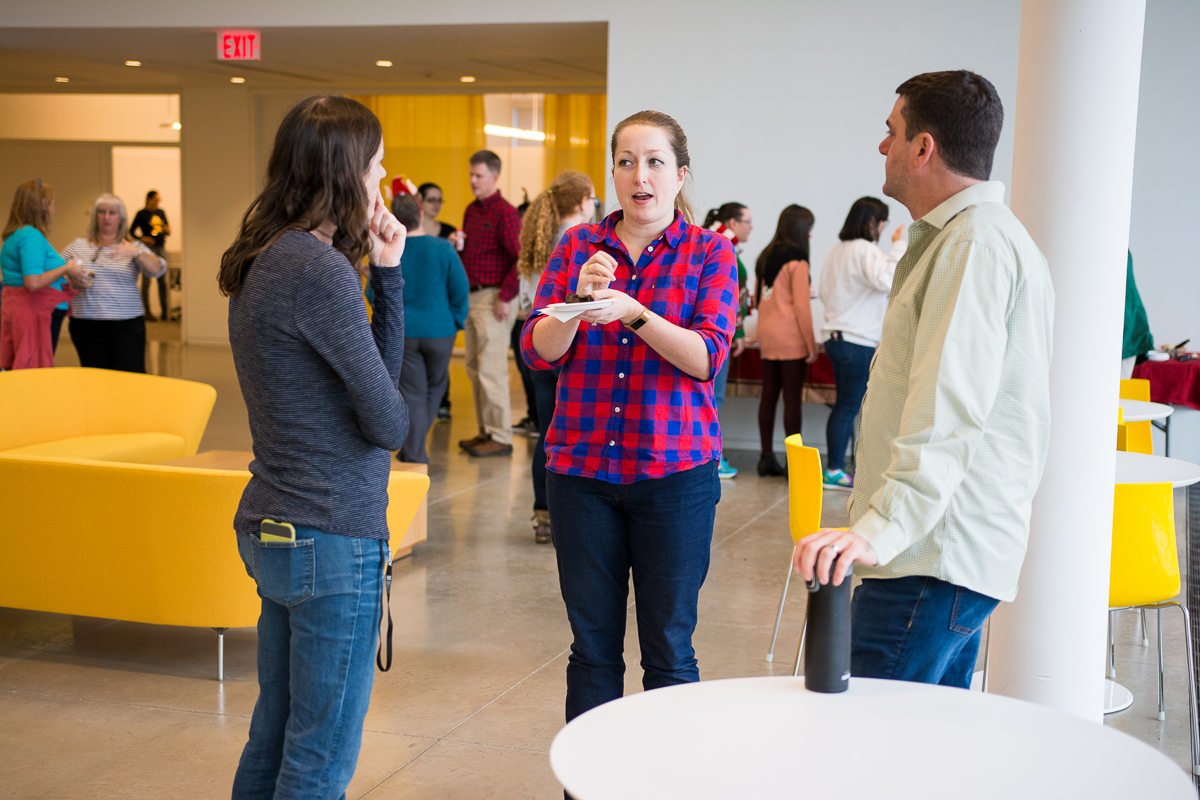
(838, 479)
(724, 470)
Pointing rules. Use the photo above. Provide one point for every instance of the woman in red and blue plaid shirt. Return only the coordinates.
(633, 448)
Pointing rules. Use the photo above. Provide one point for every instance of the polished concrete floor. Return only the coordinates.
(95, 708)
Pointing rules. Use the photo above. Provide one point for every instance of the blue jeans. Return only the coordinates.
(661, 529)
(545, 391)
(851, 367)
(316, 647)
(917, 629)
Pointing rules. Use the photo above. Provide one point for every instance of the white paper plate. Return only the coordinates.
(565, 312)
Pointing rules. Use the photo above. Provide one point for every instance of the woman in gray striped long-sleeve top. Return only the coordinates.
(320, 385)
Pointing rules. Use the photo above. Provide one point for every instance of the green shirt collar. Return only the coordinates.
(987, 192)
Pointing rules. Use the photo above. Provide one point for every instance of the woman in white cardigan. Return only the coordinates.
(856, 278)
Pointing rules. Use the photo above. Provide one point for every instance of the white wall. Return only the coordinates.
(218, 186)
(1166, 173)
(90, 117)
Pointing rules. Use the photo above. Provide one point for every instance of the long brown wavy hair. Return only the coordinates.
(539, 228)
(678, 141)
(322, 151)
(30, 206)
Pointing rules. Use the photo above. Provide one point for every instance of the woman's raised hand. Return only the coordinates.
(597, 273)
(123, 249)
(387, 236)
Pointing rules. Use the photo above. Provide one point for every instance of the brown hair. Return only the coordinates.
(790, 243)
(488, 159)
(407, 209)
(539, 230)
(93, 228)
(961, 111)
(322, 152)
(678, 142)
(30, 206)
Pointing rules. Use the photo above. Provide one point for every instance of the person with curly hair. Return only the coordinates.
(569, 201)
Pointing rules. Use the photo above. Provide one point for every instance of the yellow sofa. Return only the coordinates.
(103, 415)
(92, 525)
(136, 542)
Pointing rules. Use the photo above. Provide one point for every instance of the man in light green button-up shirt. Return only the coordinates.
(956, 419)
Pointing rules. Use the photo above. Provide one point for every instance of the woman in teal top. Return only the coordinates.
(435, 310)
(27, 259)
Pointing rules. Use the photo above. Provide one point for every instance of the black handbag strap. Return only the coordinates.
(385, 607)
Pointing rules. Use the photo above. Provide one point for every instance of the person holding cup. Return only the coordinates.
(107, 326)
(34, 275)
(633, 449)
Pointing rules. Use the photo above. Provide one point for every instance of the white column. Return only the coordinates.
(218, 185)
(1076, 119)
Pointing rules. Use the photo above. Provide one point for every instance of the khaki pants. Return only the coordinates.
(487, 341)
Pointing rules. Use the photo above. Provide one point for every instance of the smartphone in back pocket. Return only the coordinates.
(271, 531)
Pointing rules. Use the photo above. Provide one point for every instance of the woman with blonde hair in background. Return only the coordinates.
(568, 202)
(33, 303)
(107, 326)
(785, 329)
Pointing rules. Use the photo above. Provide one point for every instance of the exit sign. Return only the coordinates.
(239, 45)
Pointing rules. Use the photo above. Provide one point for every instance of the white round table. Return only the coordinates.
(1142, 468)
(1142, 411)
(770, 737)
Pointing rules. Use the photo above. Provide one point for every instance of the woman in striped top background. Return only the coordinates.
(107, 326)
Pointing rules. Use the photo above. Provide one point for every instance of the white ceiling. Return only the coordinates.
(550, 57)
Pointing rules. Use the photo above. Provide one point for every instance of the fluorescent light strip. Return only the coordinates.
(514, 133)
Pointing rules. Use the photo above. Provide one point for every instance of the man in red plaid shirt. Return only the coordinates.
(492, 229)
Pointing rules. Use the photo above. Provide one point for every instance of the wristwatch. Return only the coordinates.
(642, 319)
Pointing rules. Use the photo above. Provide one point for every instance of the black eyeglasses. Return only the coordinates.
(435, 201)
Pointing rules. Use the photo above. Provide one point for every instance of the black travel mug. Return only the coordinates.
(827, 643)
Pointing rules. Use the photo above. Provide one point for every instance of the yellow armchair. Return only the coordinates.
(104, 415)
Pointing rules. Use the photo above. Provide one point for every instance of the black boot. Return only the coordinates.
(768, 467)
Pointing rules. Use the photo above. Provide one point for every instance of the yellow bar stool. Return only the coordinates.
(1136, 437)
(805, 496)
(1144, 574)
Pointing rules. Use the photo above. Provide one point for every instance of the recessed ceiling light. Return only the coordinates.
(467, 79)
(176, 126)
(62, 80)
(383, 63)
(133, 63)
(237, 80)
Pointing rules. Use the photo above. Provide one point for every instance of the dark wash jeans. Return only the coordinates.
(851, 368)
(545, 392)
(316, 663)
(661, 530)
(918, 629)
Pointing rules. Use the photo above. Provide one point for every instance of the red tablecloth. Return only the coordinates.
(1175, 382)
(745, 377)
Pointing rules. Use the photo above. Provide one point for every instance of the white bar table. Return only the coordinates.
(1142, 411)
(771, 737)
(1143, 468)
